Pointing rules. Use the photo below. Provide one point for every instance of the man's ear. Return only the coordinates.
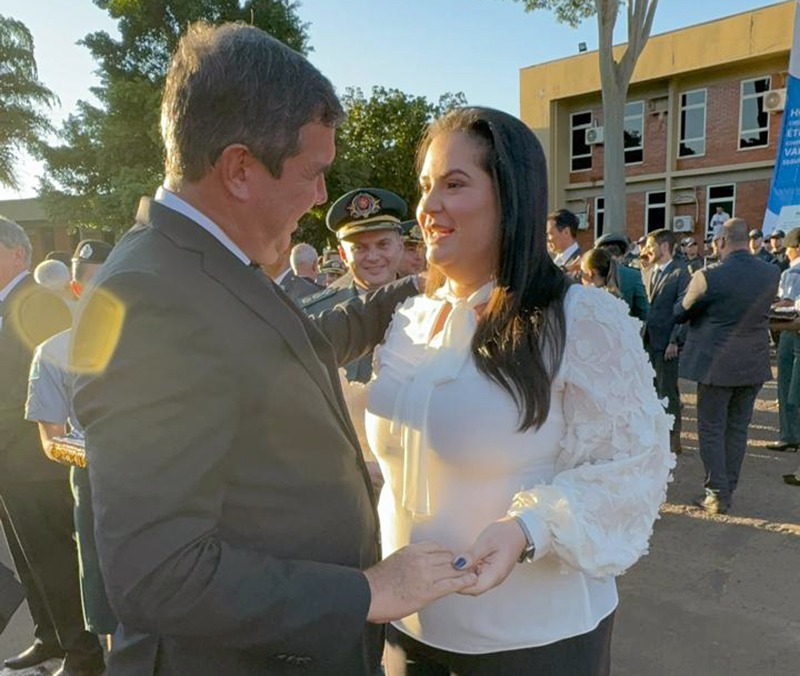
(343, 253)
(235, 167)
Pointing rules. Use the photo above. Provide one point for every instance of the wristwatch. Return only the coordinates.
(530, 548)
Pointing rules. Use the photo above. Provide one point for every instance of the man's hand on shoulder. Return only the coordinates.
(412, 578)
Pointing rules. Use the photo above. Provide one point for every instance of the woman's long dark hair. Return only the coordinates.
(519, 342)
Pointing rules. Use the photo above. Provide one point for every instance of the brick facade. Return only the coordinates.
(722, 164)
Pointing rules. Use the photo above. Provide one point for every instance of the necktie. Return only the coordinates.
(656, 279)
(438, 366)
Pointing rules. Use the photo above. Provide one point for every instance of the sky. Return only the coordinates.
(422, 47)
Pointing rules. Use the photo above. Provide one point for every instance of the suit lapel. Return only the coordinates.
(656, 285)
(252, 288)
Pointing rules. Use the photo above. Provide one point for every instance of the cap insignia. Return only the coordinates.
(86, 252)
(363, 205)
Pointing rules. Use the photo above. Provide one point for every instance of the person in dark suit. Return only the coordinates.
(36, 505)
(629, 280)
(297, 287)
(12, 594)
(234, 517)
(665, 281)
(294, 286)
(562, 239)
(305, 262)
(727, 355)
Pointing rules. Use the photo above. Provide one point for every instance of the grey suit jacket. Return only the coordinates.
(660, 326)
(234, 512)
(726, 306)
(31, 314)
(298, 288)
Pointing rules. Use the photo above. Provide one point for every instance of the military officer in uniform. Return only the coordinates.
(757, 247)
(367, 224)
(413, 261)
(49, 405)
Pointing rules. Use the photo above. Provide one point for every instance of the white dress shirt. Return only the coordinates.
(588, 483)
(172, 201)
(561, 259)
(279, 279)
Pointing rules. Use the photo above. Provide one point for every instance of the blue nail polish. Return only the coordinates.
(459, 563)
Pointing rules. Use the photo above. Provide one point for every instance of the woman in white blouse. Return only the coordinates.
(515, 421)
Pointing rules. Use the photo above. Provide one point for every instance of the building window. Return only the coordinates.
(580, 152)
(693, 124)
(655, 212)
(599, 213)
(723, 196)
(753, 119)
(634, 132)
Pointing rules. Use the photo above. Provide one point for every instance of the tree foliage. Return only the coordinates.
(111, 152)
(23, 99)
(571, 12)
(615, 76)
(376, 147)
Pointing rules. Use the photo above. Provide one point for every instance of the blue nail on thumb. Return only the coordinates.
(459, 563)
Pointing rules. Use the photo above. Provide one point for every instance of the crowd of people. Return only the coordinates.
(176, 401)
(702, 324)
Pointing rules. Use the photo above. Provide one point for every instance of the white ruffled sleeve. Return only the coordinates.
(597, 515)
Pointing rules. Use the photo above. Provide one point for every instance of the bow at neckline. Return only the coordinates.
(444, 358)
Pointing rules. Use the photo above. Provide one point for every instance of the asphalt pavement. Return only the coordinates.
(716, 596)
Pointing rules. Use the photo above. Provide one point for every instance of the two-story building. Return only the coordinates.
(45, 235)
(702, 124)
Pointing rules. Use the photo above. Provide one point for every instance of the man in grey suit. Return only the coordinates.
(727, 354)
(235, 521)
(665, 281)
(35, 499)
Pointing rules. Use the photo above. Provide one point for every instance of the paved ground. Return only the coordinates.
(719, 596)
(716, 596)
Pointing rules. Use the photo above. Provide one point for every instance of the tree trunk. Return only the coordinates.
(615, 78)
(613, 154)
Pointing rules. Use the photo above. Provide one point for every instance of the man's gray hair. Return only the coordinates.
(735, 231)
(302, 253)
(233, 84)
(12, 236)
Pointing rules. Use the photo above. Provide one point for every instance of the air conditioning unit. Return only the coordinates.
(683, 224)
(594, 136)
(775, 100)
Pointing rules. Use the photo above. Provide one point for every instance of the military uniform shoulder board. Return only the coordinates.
(314, 298)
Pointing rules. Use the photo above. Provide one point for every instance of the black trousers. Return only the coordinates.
(585, 655)
(12, 594)
(723, 416)
(666, 384)
(38, 524)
